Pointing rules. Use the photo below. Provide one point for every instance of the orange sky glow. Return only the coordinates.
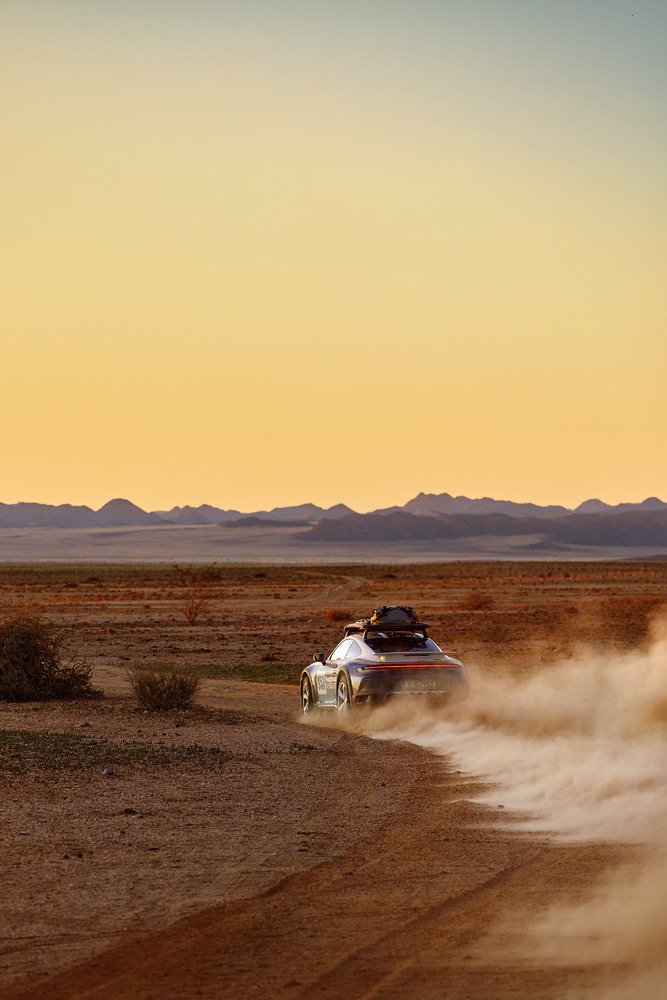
(260, 254)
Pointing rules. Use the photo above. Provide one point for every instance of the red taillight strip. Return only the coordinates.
(411, 666)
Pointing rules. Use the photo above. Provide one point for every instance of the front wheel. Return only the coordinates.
(343, 699)
(307, 700)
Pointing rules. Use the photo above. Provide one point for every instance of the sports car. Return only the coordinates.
(385, 656)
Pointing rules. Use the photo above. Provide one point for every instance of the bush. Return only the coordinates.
(32, 667)
(196, 600)
(160, 688)
(339, 615)
(476, 601)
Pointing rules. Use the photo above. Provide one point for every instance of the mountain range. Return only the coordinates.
(628, 528)
(429, 509)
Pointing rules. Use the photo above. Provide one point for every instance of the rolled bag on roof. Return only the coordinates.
(394, 614)
(395, 617)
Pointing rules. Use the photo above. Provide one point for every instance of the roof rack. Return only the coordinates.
(354, 628)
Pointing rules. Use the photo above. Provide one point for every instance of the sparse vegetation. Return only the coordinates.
(23, 750)
(249, 575)
(339, 615)
(550, 607)
(161, 687)
(34, 663)
(202, 574)
(477, 601)
(196, 599)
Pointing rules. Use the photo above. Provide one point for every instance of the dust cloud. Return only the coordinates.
(578, 751)
(624, 925)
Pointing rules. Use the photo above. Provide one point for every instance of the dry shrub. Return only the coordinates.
(196, 599)
(339, 615)
(476, 601)
(162, 687)
(33, 663)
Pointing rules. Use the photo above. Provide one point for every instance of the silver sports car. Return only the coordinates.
(381, 657)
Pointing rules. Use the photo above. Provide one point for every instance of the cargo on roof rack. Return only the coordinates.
(361, 626)
(394, 618)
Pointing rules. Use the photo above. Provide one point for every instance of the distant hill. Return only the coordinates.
(42, 515)
(400, 526)
(205, 514)
(122, 512)
(628, 528)
(423, 507)
(117, 512)
(443, 503)
(303, 512)
(598, 507)
(429, 504)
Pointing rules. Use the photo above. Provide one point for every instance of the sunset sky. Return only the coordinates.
(263, 252)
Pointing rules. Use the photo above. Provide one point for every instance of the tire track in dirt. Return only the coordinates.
(447, 952)
(339, 590)
(403, 913)
(403, 947)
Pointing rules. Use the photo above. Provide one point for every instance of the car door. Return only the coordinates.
(325, 677)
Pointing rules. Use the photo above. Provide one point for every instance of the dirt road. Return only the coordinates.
(397, 904)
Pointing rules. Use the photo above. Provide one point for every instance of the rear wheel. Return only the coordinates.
(307, 701)
(343, 699)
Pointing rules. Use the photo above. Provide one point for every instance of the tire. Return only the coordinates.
(307, 700)
(343, 696)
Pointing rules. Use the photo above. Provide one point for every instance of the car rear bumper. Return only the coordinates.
(381, 685)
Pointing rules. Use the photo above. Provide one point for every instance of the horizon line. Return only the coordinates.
(268, 510)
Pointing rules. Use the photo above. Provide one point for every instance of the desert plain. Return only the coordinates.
(231, 850)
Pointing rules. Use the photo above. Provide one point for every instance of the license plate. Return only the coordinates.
(419, 685)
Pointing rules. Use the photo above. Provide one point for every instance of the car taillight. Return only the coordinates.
(411, 666)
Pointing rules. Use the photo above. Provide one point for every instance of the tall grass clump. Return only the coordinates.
(34, 664)
(159, 688)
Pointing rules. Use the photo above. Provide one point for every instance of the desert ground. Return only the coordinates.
(230, 850)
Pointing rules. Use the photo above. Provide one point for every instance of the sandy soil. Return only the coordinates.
(278, 859)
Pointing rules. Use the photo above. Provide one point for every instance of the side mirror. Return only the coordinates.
(319, 657)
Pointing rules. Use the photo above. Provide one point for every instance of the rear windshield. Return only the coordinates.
(400, 642)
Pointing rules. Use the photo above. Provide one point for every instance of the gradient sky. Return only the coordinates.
(259, 253)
